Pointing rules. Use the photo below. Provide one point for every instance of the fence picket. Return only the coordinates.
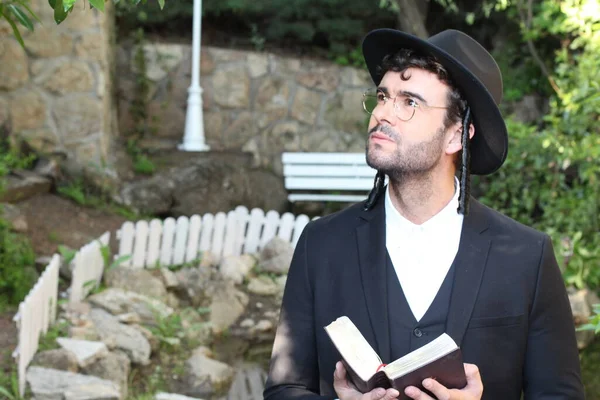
(299, 224)
(270, 229)
(154, 235)
(218, 233)
(126, 235)
(193, 241)
(286, 227)
(206, 235)
(36, 312)
(168, 236)
(231, 233)
(181, 234)
(243, 223)
(140, 244)
(255, 226)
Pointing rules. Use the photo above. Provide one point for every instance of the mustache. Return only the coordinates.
(386, 130)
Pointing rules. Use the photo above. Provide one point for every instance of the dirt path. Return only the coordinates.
(54, 220)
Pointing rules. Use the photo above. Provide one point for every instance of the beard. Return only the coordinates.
(416, 160)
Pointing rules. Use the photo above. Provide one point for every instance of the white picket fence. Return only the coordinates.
(148, 244)
(87, 268)
(36, 313)
(178, 241)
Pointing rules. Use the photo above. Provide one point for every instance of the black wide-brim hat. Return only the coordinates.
(472, 69)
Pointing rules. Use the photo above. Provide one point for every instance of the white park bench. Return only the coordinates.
(342, 177)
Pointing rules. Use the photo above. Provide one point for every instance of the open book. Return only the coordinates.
(440, 359)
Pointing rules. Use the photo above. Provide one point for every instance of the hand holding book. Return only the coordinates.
(473, 390)
(346, 390)
(440, 359)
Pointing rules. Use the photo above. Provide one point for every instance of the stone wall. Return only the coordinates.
(253, 102)
(55, 93)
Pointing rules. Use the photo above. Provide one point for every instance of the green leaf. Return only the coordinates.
(14, 28)
(24, 5)
(161, 3)
(52, 3)
(119, 260)
(89, 283)
(6, 393)
(59, 12)
(68, 5)
(99, 4)
(21, 16)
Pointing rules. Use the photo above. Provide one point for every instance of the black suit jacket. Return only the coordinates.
(509, 310)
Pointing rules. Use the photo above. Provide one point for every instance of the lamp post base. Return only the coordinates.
(193, 139)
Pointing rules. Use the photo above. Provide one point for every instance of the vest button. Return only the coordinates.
(417, 332)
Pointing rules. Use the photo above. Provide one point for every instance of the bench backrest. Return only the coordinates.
(327, 172)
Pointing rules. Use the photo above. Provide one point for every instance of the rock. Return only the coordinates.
(194, 327)
(231, 86)
(78, 116)
(276, 256)
(129, 318)
(193, 283)
(208, 183)
(236, 268)
(60, 359)
(160, 59)
(263, 285)
(127, 338)
(14, 69)
(153, 340)
(258, 64)
(582, 307)
(325, 79)
(27, 110)
(70, 76)
(168, 278)
(228, 304)
(21, 185)
(139, 281)
(51, 384)
(85, 351)
(114, 367)
(15, 217)
(306, 105)
(47, 167)
(118, 302)
(205, 376)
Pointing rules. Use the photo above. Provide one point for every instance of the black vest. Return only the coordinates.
(406, 334)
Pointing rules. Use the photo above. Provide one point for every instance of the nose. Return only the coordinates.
(384, 113)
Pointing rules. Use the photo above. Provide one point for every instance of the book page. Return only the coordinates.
(435, 349)
(353, 347)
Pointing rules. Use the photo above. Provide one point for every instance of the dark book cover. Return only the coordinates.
(447, 370)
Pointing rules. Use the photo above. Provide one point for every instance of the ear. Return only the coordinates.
(455, 140)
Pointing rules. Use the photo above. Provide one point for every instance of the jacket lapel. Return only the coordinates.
(372, 258)
(469, 268)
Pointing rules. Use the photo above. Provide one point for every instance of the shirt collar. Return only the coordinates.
(443, 220)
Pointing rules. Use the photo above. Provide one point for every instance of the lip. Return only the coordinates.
(378, 136)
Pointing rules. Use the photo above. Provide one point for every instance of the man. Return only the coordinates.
(420, 257)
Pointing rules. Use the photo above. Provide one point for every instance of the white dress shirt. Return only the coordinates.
(422, 254)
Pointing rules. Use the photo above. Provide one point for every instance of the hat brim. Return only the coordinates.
(489, 145)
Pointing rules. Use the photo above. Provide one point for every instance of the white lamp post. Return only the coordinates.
(193, 139)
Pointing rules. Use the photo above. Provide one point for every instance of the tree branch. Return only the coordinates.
(527, 20)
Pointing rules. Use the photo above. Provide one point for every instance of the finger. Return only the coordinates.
(416, 393)
(473, 378)
(391, 394)
(472, 372)
(340, 371)
(377, 394)
(439, 390)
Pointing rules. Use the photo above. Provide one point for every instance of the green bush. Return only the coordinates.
(17, 261)
(336, 27)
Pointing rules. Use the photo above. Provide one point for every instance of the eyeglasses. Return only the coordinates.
(404, 105)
